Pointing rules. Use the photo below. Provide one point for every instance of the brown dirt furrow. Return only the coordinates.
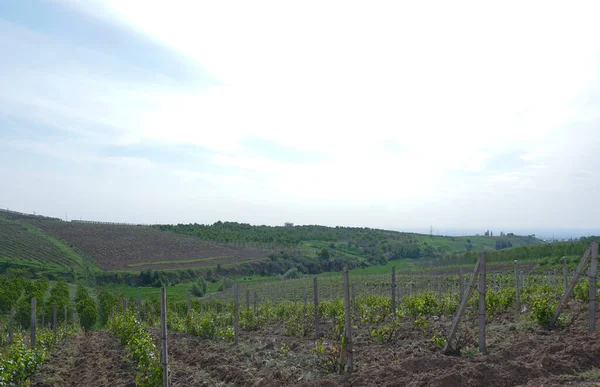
(93, 359)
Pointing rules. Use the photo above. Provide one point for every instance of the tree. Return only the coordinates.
(200, 287)
(108, 302)
(88, 312)
(227, 283)
(293, 273)
(324, 254)
(86, 308)
(32, 289)
(59, 296)
(10, 291)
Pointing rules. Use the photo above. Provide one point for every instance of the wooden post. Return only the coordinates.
(316, 301)
(461, 284)
(522, 280)
(33, 320)
(138, 307)
(54, 324)
(247, 299)
(439, 289)
(124, 306)
(42, 324)
(189, 303)
(11, 320)
(593, 273)
(305, 309)
(255, 303)
(462, 307)
(66, 315)
(565, 273)
(348, 324)
(563, 301)
(236, 311)
(518, 296)
(393, 291)
(163, 334)
(482, 275)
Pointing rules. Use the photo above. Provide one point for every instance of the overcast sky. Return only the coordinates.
(399, 114)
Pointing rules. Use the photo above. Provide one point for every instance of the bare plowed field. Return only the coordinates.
(94, 359)
(119, 247)
(517, 356)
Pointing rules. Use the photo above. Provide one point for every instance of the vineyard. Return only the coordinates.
(120, 247)
(121, 253)
(26, 246)
(378, 330)
(474, 319)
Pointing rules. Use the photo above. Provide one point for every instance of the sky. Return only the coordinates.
(388, 114)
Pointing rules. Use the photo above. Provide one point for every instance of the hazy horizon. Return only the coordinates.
(548, 233)
(389, 115)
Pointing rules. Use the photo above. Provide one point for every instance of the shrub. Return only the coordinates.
(200, 287)
(293, 273)
(543, 306)
(86, 308)
(227, 283)
(140, 347)
(107, 303)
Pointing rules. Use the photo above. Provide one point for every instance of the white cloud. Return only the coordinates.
(348, 73)
(403, 99)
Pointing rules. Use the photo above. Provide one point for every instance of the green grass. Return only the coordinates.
(174, 293)
(173, 262)
(27, 247)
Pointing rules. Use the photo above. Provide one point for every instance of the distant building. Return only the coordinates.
(289, 224)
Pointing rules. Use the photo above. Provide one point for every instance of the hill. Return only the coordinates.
(27, 247)
(364, 242)
(124, 247)
(223, 247)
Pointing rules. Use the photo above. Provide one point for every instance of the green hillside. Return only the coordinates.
(27, 247)
(122, 253)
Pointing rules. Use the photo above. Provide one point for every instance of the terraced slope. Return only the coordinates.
(123, 247)
(23, 245)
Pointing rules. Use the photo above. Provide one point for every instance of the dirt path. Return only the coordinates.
(93, 359)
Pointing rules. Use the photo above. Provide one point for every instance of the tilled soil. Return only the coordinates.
(93, 359)
(269, 358)
(519, 354)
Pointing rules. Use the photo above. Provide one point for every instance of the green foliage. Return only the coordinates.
(10, 291)
(582, 291)
(227, 284)
(439, 341)
(419, 305)
(32, 289)
(208, 324)
(86, 308)
(18, 362)
(140, 348)
(59, 296)
(200, 287)
(385, 332)
(293, 273)
(327, 356)
(499, 301)
(285, 349)
(108, 302)
(543, 306)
